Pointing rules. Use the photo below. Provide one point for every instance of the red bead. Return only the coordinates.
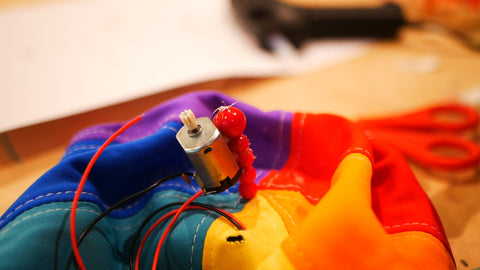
(246, 158)
(247, 190)
(249, 174)
(230, 121)
(239, 144)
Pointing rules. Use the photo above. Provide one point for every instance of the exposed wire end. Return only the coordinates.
(186, 179)
(223, 107)
(188, 119)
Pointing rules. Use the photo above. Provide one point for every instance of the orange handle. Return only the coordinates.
(449, 118)
(444, 152)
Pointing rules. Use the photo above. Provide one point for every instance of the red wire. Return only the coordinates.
(73, 237)
(169, 227)
(234, 218)
(150, 230)
(140, 248)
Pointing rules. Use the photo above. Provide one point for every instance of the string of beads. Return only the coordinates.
(231, 122)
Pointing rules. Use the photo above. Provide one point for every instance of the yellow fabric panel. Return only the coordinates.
(342, 225)
(265, 232)
(414, 250)
(290, 205)
(278, 260)
(342, 231)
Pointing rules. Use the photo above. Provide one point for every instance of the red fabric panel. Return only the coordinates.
(319, 143)
(398, 200)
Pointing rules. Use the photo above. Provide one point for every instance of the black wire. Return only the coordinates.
(140, 193)
(123, 201)
(145, 222)
(118, 204)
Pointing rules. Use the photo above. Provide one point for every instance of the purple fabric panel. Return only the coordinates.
(269, 133)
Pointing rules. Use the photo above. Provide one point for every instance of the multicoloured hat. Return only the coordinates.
(328, 198)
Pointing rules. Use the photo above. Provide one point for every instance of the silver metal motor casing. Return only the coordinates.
(215, 166)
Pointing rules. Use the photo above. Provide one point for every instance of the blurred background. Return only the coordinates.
(68, 64)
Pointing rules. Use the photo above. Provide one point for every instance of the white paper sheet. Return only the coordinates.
(65, 57)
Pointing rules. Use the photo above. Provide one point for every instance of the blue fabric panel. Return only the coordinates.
(34, 230)
(40, 236)
(121, 170)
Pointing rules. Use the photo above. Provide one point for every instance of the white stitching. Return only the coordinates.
(92, 146)
(416, 224)
(283, 209)
(274, 226)
(92, 131)
(121, 136)
(87, 132)
(289, 198)
(195, 238)
(46, 195)
(84, 193)
(105, 131)
(151, 204)
(431, 241)
(270, 183)
(299, 188)
(91, 211)
(82, 147)
(13, 225)
(255, 207)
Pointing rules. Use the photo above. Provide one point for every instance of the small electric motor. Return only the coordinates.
(216, 169)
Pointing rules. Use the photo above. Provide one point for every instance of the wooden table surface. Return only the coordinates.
(391, 78)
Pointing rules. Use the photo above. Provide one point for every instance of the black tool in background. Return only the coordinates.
(264, 18)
